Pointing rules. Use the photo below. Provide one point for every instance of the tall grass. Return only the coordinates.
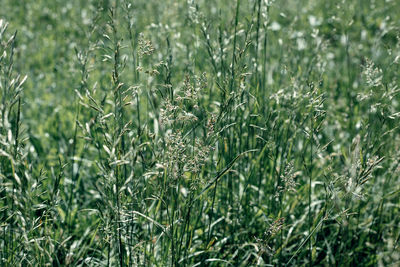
(199, 133)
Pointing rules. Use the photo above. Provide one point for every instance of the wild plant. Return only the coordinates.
(199, 133)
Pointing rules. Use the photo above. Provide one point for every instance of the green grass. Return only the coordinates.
(199, 133)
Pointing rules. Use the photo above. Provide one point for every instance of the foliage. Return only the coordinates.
(199, 133)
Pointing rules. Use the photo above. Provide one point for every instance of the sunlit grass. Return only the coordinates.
(199, 133)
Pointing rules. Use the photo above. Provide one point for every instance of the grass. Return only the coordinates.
(199, 133)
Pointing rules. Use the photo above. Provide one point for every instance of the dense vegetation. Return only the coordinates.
(200, 133)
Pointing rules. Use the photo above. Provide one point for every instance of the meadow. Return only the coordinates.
(200, 133)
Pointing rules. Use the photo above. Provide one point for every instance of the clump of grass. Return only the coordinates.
(195, 133)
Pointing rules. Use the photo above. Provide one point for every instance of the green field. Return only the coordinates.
(200, 133)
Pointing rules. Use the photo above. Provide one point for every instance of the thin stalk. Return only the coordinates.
(17, 127)
(232, 82)
(264, 66)
(310, 187)
(119, 123)
(257, 43)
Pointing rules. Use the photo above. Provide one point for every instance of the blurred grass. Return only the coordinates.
(312, 93)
